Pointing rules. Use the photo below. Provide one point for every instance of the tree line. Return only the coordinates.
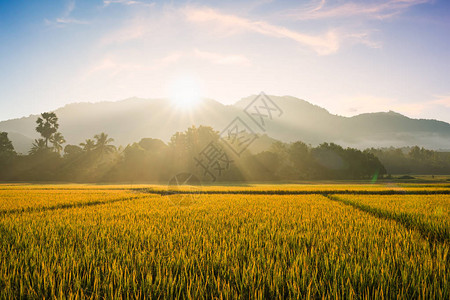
(200, 151)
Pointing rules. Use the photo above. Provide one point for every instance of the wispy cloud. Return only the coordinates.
(70, 21)
(114, 64)
(322, 44)
(221, 59)
(441, 100)
(325, 43)
(66, 19)
(379, 9)
(132, 31)
(126, 2)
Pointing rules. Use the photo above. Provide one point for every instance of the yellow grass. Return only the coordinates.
(214, 246)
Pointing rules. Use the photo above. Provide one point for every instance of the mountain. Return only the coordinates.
(130, 120)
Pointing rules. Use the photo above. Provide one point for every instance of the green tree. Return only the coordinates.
(300, 159)
(47, 125)
(38, 146)
(5, 144)
(88, 145)
(71, 151)
(102, 144)
(57, 140)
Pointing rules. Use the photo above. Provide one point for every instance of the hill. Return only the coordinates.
(131, 119)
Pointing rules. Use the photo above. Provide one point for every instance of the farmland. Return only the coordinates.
(254, 241)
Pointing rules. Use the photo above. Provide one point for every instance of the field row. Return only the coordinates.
(430, 214)
(224, 246)
(30, 200)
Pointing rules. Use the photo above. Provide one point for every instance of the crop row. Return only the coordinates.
(430, 214)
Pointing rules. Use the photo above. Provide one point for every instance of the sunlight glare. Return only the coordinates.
(185, 92)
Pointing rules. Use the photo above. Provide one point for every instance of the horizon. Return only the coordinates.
(349, 57)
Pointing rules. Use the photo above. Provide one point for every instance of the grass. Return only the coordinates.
(33, 199)
(118, 244)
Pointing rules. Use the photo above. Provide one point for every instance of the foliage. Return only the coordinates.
(38, 146)
(47, 125)
(88, 145)
(57, 140)
(102, 144)
(413, 160)
(98, 160)
(5, 144)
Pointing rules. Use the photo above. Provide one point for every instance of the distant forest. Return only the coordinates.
(202, 152)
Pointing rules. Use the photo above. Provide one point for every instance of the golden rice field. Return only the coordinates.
(86, 241)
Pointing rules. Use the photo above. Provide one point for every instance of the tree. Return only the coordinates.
(88, 145)
(57, 140)
(153, 145)
(7, 153)
(47, 125)
(72, 151)
(102, 144)
(5, 144)
(39, 146)
(300, 159)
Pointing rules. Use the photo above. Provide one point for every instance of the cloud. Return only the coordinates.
(441, 100)
(65, 19)
(220, 59)
(379, 9)
(113, 64)
(69, 8)
(135, 30)
(70, 21)
(141, 28)
(322, 44)
(126, 2)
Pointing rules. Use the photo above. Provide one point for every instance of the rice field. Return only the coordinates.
(86, 241)
(429, 214)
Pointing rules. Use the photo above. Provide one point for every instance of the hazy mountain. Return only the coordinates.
(130, 120)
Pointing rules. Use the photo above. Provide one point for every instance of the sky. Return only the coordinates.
(349, 57)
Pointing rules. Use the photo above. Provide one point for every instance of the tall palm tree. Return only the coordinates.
(47, 125)
(38, 146)
(102, 144)
(57, 140)
(88, 145)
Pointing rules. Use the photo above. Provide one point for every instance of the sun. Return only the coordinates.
(185, 92)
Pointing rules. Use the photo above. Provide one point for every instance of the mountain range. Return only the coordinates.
(293, 119)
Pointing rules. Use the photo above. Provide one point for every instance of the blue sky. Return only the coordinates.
(349, 57)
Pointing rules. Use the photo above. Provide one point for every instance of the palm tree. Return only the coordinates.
(102, 144)
(57, 140)
(88, 145)
(38, 147)
(47, 125)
